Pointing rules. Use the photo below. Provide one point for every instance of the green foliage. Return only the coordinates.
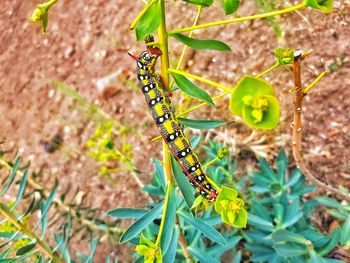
(150, 20)
(204, 3)
(201, 124)
(202, 44)
(325, 6)
(191, 89)
(230, 6)
(254, 100)
(20, 239)
(103, 149)
(269, 6)
(284, 56)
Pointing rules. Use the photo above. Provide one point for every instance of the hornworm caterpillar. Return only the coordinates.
(171, 130)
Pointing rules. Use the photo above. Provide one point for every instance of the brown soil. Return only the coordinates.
(87, 40)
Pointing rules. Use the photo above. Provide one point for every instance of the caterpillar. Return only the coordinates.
(163, 113)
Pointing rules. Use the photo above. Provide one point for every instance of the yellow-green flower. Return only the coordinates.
(284, 56)
(40, 14)
(149, 250)
(231, 208)
(253, 99)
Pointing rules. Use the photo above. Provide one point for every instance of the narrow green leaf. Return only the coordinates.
(4, 254)
(127, 212)
(12, 176)
(345, 232)
(329, 202)
(201, 124)
(191, 89)
(332, 242)
(8, 260)
(207, 230)
(208, 44)
(160, 173)
(290, 249)
(260, 223)
(171, 252)
(21, 189)
(142, 223)
(150, 21)
(230, 6)
(25, 249)
(202, 256)
(194, 141)
(237, 258)
(285, 236)
(93, 245)
(205, 3)
(183, 184)
(169, 221)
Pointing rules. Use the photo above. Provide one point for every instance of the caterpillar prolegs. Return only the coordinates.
(164, 115)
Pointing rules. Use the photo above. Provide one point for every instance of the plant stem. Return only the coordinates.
(213, 83)
(21, 227)
(210, 162)
(144, 10)
(163, 41)
(199, 10)
(167, 196)
(297, 134)
(268, 70)
(240, 19)
(313, 83)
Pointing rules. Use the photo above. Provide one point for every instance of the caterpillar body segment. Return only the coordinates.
(171, 130)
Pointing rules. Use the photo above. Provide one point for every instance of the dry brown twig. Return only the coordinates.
(297, 125)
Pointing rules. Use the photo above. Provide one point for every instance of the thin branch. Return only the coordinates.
(297, 134)
(24, 229)
(240, 19)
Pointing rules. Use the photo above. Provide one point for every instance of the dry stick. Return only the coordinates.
(63, 207)
(297, 135)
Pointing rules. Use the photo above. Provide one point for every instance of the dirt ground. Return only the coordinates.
(88, 40)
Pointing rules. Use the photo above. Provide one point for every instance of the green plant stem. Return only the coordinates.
(144, 10)
(163, 41)
(21, 227)
(297, 133)
(182, 56)
(313, 83)
(211, 162)
(240, 19)
(161, 227)
(63, 207)
(268, 70)
(213, 83)
(48, 4)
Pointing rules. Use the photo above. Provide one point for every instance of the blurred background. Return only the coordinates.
(60, 91)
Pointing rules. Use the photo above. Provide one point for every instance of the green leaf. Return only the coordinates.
(191, 90)
(205, 3)
(21, 189)
(207, 230)
(285, 236)
(142, 223)
(182, 182)
(25, 249)
(202, 256)
(150, 21)
(345, 232)
(325, 6)
(4, 254)
(332, 242)
(12, 176)
(201, 124)
(260, 223)
(169, 256)
(160, 173)
(230, 6)
(127, 212)
(315, 258)
(169, 221)
(329, 202)
(290, 249)
(208, 44)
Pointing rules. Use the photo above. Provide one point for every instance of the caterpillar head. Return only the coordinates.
(148, 58)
